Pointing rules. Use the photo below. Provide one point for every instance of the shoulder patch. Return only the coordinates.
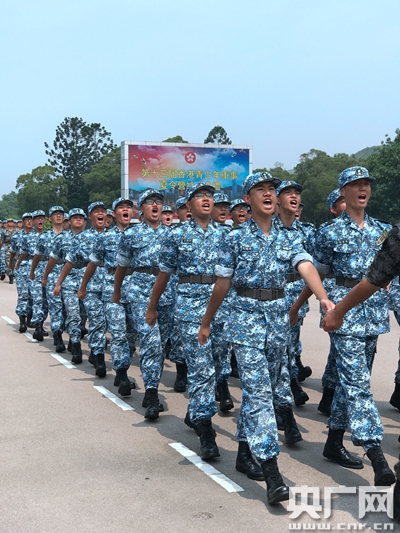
(236, 226)
(327, 223)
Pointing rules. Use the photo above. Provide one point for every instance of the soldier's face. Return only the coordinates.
(184, 213)
(220, 212)
(27, 223)
(123, 214)
(57, 217)
(98, 216)
(262, 199)
(166, 218)
(77, 223)
(151, 212)
(357, 193)
(289, 200)
(201, 203)
(239, 214)
(66, 224)
(38, 222)
(108, 221)
(338, 207)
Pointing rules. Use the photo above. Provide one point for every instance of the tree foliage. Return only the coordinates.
(77, 147)
(176, 139)
(104, 180)
(9, 206)
(217, 136)
(41, 189)
(277, 172)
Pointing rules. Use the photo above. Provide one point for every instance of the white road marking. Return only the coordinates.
(212, 472)
(27, 335)
(105, 392)
(8, 320)
(63, 361)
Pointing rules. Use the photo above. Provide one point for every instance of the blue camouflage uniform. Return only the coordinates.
(394, 305)
(24, 302)
(346, 251)
(119, 316)
(79, 256)
(259, 329)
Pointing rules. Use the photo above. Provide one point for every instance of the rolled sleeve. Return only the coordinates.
(223, 272)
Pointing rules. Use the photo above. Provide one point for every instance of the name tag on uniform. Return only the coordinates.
(247, 248)
(187, 241)
(343, 241)
(382, 238)
(287, 248)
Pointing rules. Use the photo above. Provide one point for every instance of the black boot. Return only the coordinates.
(38, 333)
(92, 358)
(208, 446)
(277, 491)
(76, 353)
(299, 395)
(2, 276)
(395, 398)
(29, 322)
(101, 370)
(304, 371)
(180, 380)
(117, 381)
(152, 404)
(246, 464)
(384, 477)
(188, 422)
(396, 493)
(292, 433)
(22, 324)
(11, 279)
(124, 385)
(234, 366)
(325, 404)
(58, 342)
(44, 332)
(279, 422)
(336, 452)
(225, 400)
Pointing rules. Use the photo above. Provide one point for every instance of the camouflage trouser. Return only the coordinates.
(330, 375)
(55, 303)
(169, 330)
(221, 354)
(265, 380)
(397, 374)
(123, 337)
(3, 266)
(294, 348)
(7, 253)
(73, 317)
(97, 322)
(39, 301)
(353, 405)
(24, 302)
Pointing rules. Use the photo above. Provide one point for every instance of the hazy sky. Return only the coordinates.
(282, 76)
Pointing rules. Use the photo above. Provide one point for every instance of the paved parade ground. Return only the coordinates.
(75, 457)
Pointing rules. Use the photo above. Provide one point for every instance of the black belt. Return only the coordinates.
(79, 265)
(346, 282)
(147, 270)
(293, 277)
(112, 271)
(204, 279)
(261, 294)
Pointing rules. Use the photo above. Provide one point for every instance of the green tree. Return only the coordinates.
(77, 147)
(217, 136)
(277, 172)
(176, 139)
(41, 189)
(104, 180)
(384, 165)
(9, 206)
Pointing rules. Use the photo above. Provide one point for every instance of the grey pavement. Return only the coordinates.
(72, 460)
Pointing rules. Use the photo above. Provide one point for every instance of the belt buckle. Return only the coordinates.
(206, 278)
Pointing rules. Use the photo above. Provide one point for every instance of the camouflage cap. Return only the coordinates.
(333, 197)
(353, 174)
(197, 187)
(221, 198)
(38, 213)
(55, 208)
(66, 216)
(26, 215)
(259, 177)
(76, 211)
(180, 202)
(96, 204)
(167, 209)
(238, 201)
(149, 192)
(109, 213)
(288, 184)
(140, 213)
(118, 201)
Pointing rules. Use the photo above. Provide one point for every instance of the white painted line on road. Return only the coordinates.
(105, 392)
(63, 361)
(212, 472)
(29, 336)
(8, 320)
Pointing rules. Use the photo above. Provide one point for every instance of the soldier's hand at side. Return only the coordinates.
(151, 316)
(203, 334)
(32, 276)
(293, 315)
(116, 296)
(44, 282)
(15, 268)
(332, 320)
(327, 305)
(57, 290)
(81, 293)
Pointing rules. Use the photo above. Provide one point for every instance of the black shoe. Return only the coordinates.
(325, 404)
(76, 353)
(336, 452)
(100, 365)
(299, 395)
(152, 404)
(395, 398)
(304, 371)
(384, 476)
(58, 342)
(225, 400)
(117, 381)
(44, 332)
(145, 403)
(292, 433)
(246, 464)
(22, 324)
(11, 279)
(188, 422)
(277, 491)
(234, 366)
(124, 385)
(208, 446)
(29, 322)
(3, 276)
(92, 358)
(180, 380)
(69, 348)
(38, 333)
